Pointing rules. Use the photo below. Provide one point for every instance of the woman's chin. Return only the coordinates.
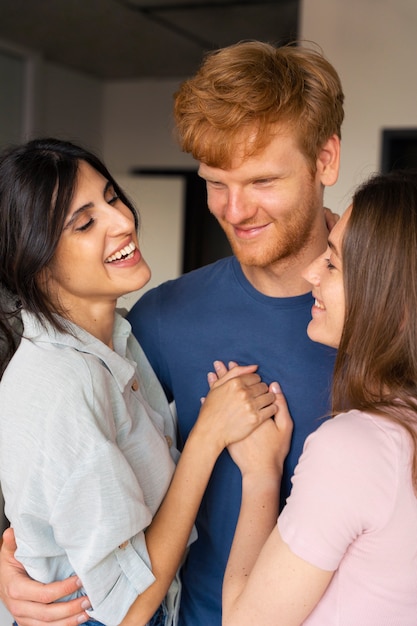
(318, 336)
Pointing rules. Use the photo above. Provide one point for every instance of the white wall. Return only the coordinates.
(71, 106)
(12, 74)
(138, 132)
(373, 46)
(138, 126)
(160, 205)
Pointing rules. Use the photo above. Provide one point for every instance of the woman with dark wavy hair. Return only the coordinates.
(344, 550)
(87, 440)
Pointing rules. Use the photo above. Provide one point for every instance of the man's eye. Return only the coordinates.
(85, 226)
(214, 183)
(330, 265)
(264, 181)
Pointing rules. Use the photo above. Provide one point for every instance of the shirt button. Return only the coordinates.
(135, 385)
(169, 440)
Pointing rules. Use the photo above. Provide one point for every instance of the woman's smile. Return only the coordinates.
(127, 252)
(325, 275)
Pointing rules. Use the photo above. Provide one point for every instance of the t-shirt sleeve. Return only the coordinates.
(344, 485)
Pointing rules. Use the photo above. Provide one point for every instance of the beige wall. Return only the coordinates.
(373, 45)
(160, 204)
(71, 106)
(138, 126)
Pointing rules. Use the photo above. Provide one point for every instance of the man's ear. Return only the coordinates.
(328, 161)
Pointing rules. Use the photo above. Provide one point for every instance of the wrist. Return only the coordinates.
(206, 440)
(257, 481)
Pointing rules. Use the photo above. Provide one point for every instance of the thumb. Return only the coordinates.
(282, 416)
(9, 541)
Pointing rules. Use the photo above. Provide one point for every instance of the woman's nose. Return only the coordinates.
(311, 272)
(120, 219)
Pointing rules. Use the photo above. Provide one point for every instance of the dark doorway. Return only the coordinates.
(399, 149)
(204, 240)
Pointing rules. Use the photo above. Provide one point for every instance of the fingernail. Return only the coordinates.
(275, 387)
(85, 604)
(79, 583)
(82, 619)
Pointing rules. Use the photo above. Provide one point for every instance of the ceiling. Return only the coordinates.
(131, 39)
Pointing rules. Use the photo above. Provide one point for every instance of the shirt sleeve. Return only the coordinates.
(99, 520)
(344, 485)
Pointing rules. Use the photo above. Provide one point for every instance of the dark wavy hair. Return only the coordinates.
(376, 365)
(37, 183)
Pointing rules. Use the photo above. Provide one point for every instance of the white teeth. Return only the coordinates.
(318, 304)
(123, 253)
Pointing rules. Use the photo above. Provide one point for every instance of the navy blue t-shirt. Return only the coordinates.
(215, 313)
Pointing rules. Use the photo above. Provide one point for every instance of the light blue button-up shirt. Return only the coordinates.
(84, 460)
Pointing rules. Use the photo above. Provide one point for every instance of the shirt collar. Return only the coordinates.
(117, 361)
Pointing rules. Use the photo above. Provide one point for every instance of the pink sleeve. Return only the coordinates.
(344, 485)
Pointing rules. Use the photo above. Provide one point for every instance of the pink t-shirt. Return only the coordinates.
(353, 510)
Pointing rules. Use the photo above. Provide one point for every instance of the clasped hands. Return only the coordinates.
(256, 442)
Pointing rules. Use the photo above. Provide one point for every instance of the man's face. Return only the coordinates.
(267, 204)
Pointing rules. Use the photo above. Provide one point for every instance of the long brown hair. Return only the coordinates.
(376, 365)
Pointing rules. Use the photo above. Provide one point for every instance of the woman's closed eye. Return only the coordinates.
(111, 196)
(86, 225)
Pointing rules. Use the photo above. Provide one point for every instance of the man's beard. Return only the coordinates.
(290, 238)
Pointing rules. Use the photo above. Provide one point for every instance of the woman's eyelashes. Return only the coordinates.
(113, 199)
(111, 196)
(85, 225)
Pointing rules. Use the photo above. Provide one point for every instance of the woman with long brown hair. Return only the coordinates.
(344, 550)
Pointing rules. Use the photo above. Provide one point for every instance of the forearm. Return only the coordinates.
(234, 407)
(168, 534)
(257, 518)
